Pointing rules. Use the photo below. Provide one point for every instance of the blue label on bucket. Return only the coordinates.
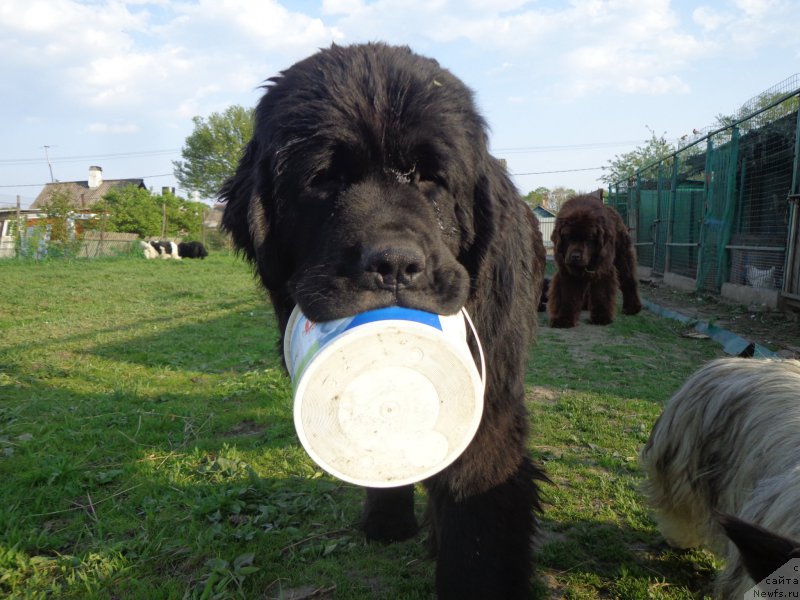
(396, 313)
(307, 338)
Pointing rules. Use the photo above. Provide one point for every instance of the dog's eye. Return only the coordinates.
(433, 178)
(343, 167)
(326, 180)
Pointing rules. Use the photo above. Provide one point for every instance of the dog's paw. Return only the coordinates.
(600, 320)
(631, 309)
(562, 323)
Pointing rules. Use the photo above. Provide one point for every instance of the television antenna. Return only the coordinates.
(52, 179)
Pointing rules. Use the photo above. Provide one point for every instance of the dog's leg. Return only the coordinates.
(625, 265)
(483, 543)
(565, 300)
(389, 514)
(602, 300)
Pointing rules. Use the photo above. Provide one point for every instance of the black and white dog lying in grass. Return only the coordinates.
(158, 249)
(724, 456)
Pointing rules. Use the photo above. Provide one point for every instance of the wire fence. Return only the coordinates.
(38, 242)
(723, 209)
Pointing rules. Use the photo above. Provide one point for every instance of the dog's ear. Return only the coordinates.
(497, 210)
(605, 236)
(555, 235)
(249, 215)
(476, 240)
(763, 552)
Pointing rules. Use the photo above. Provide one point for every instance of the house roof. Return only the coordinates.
(82, 195)
(541, 211)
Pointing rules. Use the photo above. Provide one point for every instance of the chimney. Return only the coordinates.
(166, 190)
(95, 177)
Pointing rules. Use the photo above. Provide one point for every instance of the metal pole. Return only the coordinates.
(673, 196)
(723, 258)
(18, 242)
(52, 179)
(791, 264)
(708, 182)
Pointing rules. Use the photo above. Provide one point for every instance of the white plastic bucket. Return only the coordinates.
(384, 398)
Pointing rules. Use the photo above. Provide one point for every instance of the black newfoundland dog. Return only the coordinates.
(368, 183)
(192, 250)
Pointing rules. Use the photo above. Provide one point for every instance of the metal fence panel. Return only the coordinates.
(716, 211)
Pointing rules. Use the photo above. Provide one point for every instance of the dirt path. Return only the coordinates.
(777, 330)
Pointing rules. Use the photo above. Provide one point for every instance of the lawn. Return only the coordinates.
(147, 449)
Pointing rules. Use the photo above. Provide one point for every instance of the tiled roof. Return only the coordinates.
(82, 195)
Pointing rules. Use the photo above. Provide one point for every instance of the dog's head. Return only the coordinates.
(366, 184)
(582, 236)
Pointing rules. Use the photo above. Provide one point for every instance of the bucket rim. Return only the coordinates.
(408, 328)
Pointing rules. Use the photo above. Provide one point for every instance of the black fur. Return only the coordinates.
(192, 250)
(368, 183)
(543, 297)
(161, 247)
(763, 552)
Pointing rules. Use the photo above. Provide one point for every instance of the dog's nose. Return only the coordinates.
(394, 266)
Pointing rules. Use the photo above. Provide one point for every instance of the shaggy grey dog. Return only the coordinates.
(728, 442)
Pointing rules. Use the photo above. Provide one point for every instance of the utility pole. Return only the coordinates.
(18, 241)
(52, 179)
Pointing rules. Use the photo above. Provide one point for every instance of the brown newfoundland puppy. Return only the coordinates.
(595, 258)
(367, 184)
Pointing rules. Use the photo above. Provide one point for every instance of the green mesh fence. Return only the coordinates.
(758, 239)
(716, 211)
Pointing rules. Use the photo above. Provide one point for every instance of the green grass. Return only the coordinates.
(147, 448)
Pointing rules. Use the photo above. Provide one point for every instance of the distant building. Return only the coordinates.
(547, 220)
(8, 228)
(214, 216)
(83, 193)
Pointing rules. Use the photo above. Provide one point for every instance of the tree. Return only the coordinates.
(537, 197)
(133, 209)
(130, 209)
(559, 195)
(624, 166)
(58, 209)
(211, 153)
(760, 102)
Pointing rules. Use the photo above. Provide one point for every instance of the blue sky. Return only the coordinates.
(564, 86)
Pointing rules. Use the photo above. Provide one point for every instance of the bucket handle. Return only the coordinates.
(480, 348)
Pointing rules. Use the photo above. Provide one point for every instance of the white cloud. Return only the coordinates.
(756, 8)
(130, 79)
(341, 7)
(709, 18)
(747, 25)
(498, 5)
(266, 24)
(654, 85)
